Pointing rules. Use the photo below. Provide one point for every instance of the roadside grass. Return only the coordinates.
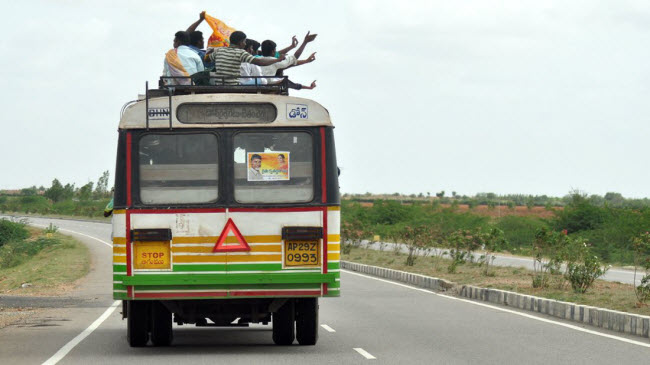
(53, 269)
(602, 294)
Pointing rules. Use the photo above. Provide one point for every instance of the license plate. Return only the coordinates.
(151, 255)
(301, 253)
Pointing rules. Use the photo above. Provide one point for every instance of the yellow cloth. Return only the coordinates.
(220, 32)
(175, 65)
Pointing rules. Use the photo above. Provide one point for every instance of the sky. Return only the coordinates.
(510, 97)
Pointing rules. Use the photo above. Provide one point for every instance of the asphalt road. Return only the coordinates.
(391, 322)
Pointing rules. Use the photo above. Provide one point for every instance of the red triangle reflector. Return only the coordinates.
(222, 247)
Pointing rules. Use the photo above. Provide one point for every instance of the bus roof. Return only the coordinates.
(223, 110)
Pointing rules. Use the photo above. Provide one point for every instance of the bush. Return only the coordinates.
(582, 275)
(16, 252)
(12, 231)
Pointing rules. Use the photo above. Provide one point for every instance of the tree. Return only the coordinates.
(441, 194)
(493, 240)
(55, 192)
(101, 188)
(416, 239)
(85, 192)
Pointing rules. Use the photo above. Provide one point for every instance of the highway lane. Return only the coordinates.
(391, 322)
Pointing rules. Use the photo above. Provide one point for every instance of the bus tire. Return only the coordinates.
(283, 324)
(307, 321)
(161, 325)
(137, 331)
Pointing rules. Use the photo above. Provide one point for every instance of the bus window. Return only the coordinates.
(273, 167)
(178, 168)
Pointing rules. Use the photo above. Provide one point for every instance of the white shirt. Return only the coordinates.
(191, 61)
(249, 69)
(272, 69)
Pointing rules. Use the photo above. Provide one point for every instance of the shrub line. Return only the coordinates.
(622, 322)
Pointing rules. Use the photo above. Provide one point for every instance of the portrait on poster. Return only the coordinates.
(268, 166)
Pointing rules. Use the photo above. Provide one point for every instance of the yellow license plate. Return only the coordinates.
(301, 253)
(151, 255)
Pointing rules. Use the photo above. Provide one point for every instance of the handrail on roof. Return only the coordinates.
(207, 84)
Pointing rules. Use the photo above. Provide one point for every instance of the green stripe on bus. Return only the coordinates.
(119, 268)
(119, 287)
(207, 279)
(242, 267)
(227, 287)
(333, 265)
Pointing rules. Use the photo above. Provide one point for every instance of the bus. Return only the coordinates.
(226, 211)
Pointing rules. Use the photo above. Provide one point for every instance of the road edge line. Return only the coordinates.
(80, 337)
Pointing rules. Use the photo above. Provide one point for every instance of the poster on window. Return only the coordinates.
(268, 166)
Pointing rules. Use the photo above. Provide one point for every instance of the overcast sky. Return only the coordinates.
(532, 97)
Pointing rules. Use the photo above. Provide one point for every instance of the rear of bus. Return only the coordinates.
(203, 237)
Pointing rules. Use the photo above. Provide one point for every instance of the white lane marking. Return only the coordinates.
(364, 353)
(622, 339)
(79, 233)
(327, 328)
(80, 337)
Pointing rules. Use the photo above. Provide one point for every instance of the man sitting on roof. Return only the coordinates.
(248, 69)
(227, 60)
(269, 52)
(181, 60)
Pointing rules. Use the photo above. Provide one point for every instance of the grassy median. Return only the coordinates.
(47, 262)
(602, 294)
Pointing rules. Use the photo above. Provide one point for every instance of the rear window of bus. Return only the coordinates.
(273, 167)
(179, 168)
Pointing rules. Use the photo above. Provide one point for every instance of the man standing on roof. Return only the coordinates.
(227, 60)
(197, 42)
(181, 60)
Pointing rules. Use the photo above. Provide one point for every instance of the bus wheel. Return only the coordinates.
(137, 331)
(283, 324)
(161, 325)
(307, 321)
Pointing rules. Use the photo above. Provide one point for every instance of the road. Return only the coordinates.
(374, 318)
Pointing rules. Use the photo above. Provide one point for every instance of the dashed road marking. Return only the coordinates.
(327, 328)
(364, 353)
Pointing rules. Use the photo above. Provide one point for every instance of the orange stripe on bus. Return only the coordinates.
(263, 248)
(230, 258)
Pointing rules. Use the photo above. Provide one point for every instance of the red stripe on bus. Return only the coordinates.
(128, 170)
(273, 292)
(129, 289)
(325, 243)
(275, 210)
(175, 211)
(323, 167)
(181, 295)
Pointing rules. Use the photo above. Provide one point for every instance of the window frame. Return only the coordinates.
(315, 164)
(136, 188)
(225, 141)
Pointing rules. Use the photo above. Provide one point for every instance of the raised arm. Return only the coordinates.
(308, 60)
(308, 38)
(263, 61)
(192, 27)
(294, 43)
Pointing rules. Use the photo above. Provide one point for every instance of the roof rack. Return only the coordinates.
(204, 83)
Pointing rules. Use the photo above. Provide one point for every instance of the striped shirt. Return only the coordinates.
(227, 61)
